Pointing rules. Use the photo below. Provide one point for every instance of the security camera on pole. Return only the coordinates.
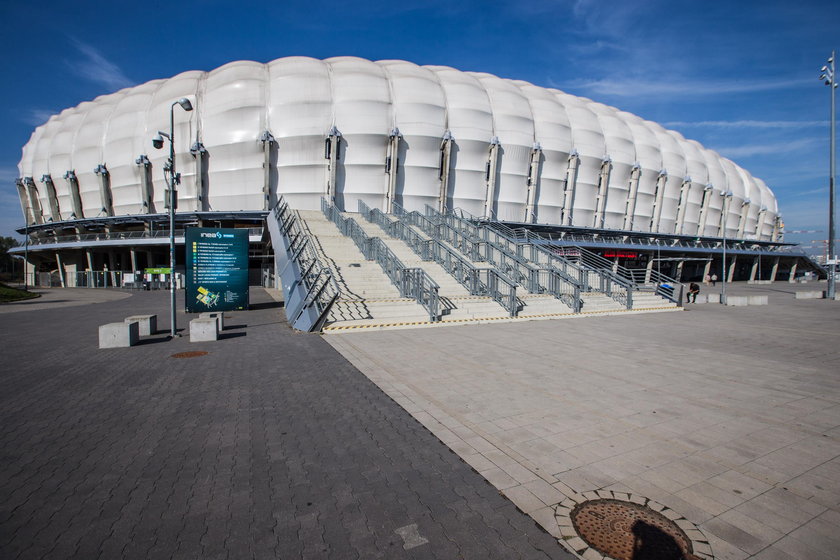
(171, 200)
(829, 77)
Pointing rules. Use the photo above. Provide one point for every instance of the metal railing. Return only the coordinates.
(612, 239)
(309, 287)
(482, 244)
(412, 283)
(589, 276)
(640, 278)
(477, 281)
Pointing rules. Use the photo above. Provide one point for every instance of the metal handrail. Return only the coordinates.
(525, 243)
(320, 287)
(482, 244)
(412, 283)
(477, 281)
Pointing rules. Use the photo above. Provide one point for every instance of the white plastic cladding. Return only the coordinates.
(595, 166)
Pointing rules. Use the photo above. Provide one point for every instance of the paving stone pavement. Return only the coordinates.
(727, 417)
(270, 446)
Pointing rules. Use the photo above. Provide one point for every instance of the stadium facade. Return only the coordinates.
(390, 132)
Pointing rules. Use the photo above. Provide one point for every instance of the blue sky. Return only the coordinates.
(738, 76)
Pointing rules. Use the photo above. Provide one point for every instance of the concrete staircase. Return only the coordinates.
(369, 300)
(457, 303)
(650, 301)
(367, 296)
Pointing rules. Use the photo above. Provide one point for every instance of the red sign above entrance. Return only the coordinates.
(621, 254)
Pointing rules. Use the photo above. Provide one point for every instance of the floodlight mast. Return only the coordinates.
(171, 202)
(829, 78)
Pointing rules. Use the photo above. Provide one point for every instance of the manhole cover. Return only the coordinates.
(192, 354)
(628, 531)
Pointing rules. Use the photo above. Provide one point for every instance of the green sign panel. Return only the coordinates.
(217, 269)
(158, 270)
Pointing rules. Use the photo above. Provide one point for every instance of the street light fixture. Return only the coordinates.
(171, 200)
(829, 78)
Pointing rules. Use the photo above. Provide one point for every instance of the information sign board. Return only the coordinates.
(217, 269)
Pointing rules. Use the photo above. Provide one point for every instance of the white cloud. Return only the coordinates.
(95, 67)
(764, 149)
(37, 117)
(677, 87)
(8, 176)
(747, 124)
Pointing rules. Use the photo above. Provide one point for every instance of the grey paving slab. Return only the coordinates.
(728, 416)
(269, 446)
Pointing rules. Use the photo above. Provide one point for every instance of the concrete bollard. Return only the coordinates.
(810, 294)
(148, 323)
(204, 329)
(218, 315)
(119, 335)
(736, 301)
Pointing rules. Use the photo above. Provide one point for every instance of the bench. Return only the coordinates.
(119, 335)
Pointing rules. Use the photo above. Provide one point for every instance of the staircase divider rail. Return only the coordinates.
(526, 243)
(477, 281)
(479, 245)
(412, 283)
(309, 287)
(640, 279)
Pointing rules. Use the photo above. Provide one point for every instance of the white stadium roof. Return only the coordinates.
(518, 152)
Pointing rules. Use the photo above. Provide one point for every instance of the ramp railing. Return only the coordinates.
(412, 283)
(309, 288)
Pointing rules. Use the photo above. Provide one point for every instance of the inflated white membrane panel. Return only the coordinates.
(299, 100)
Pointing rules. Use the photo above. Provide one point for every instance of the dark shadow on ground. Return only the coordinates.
(265, 305)
(652, 543)
(145, 341)
(225, 336)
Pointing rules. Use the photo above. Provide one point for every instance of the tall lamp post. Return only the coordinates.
(171, 200)
(727, 195)
(26, 249)
(829, 77)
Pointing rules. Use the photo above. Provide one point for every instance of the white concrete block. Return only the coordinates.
(811, 294)
(204, 329)
(218, 315)
(757, 300)
(148, 323)
(119, 335)
(737, 301)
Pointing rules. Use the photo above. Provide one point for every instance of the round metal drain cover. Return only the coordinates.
(191, 354)
(628, 531)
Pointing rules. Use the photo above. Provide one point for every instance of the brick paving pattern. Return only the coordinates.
(270, 446)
